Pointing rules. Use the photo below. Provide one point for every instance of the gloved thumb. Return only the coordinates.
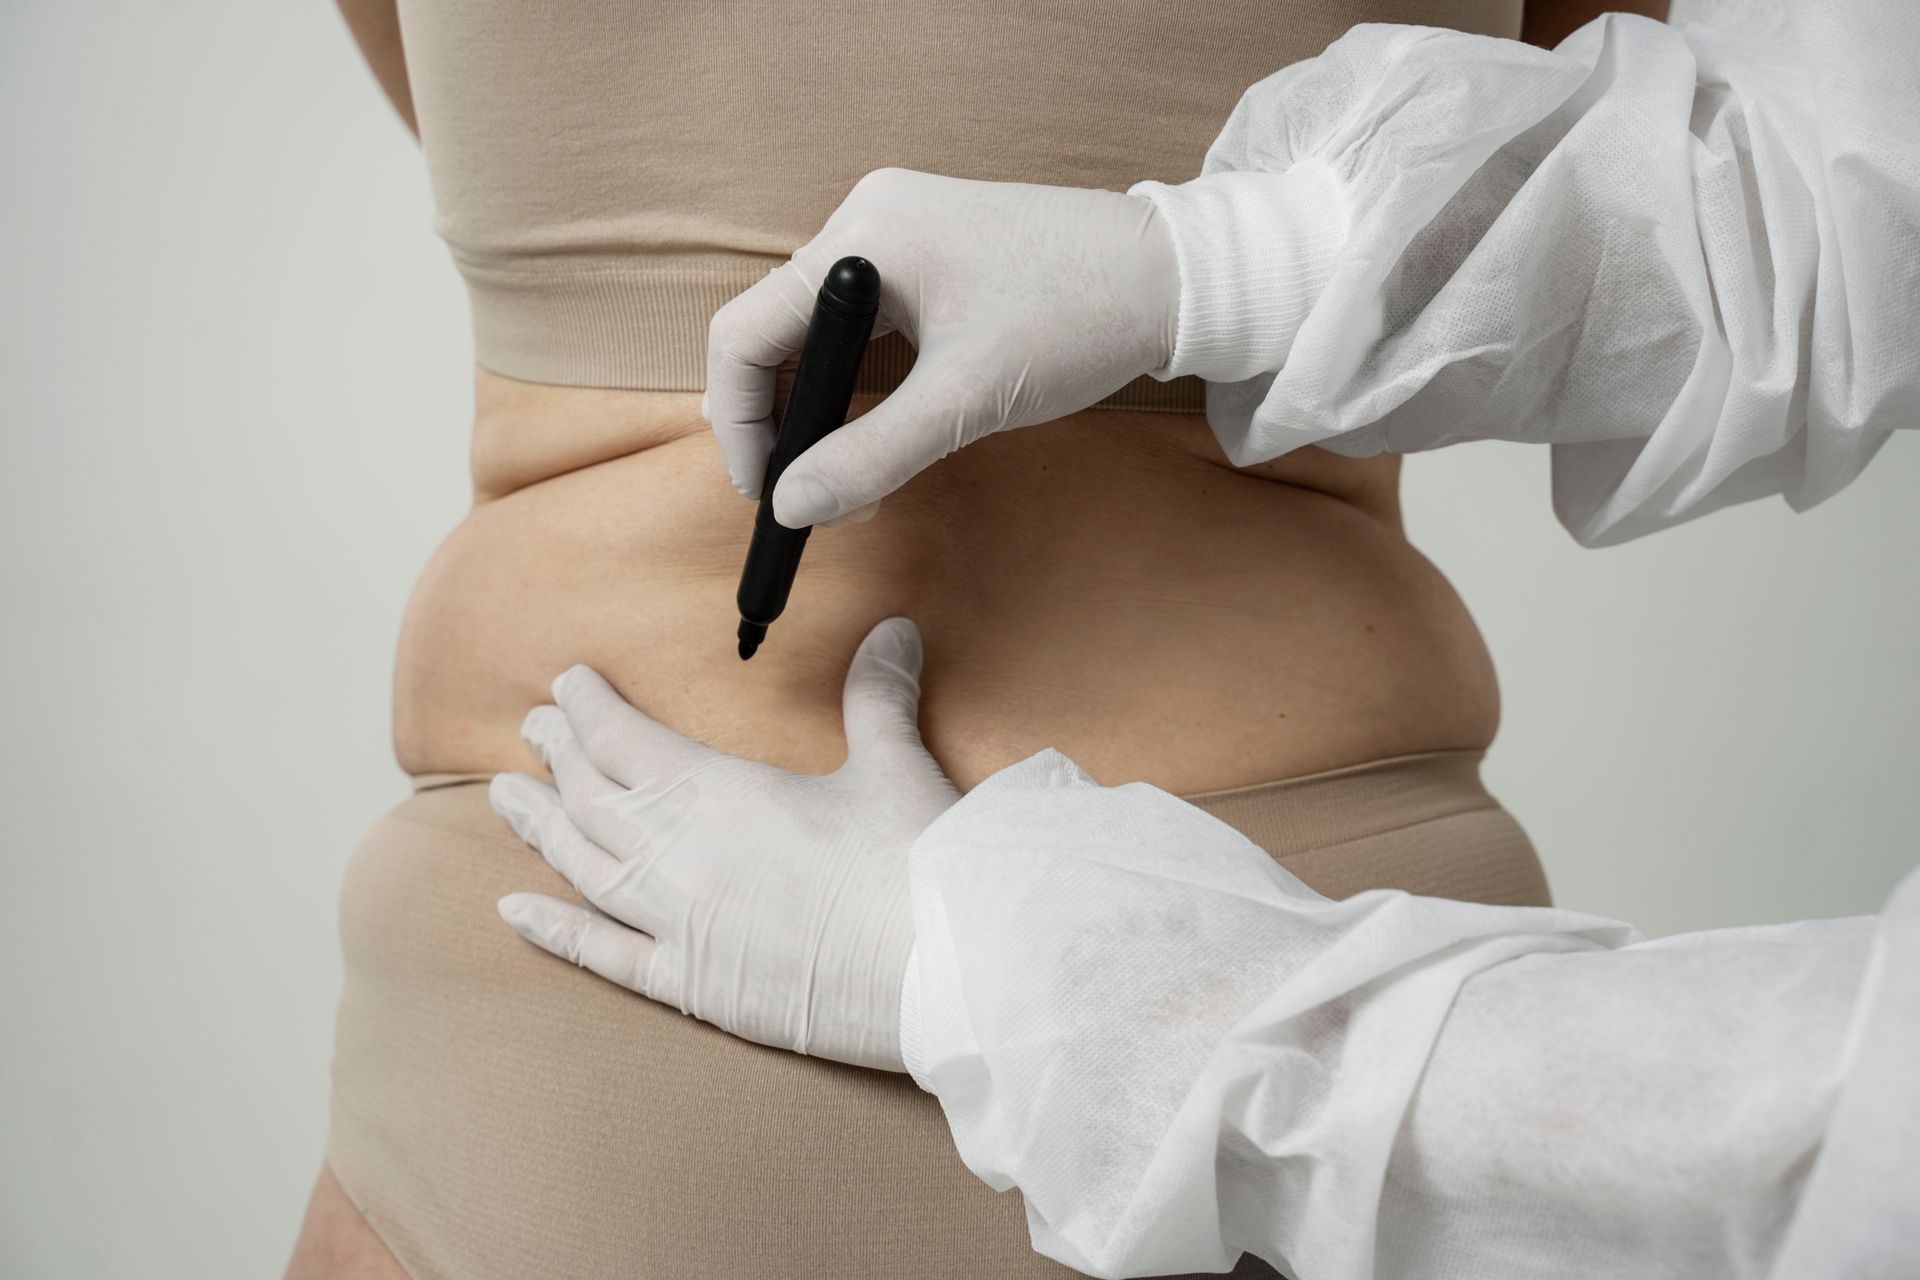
(873, 455)
(881, 700)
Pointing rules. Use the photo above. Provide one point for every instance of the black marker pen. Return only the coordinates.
(843, 314)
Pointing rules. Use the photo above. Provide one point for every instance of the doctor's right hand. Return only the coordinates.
(1025, 303)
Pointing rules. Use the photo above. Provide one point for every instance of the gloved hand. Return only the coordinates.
(1025, 303)
(771, 904)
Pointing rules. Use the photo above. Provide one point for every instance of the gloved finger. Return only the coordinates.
(624, 743)
(880, 702)
(593, 803)
(859, 515)
(535, 813)
(867, 459)
(747, 340)
(621, 955)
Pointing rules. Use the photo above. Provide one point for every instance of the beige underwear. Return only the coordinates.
(498, 1113)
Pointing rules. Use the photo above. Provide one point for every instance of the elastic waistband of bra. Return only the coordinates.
(642, 325)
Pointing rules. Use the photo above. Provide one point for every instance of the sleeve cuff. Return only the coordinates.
(1254, 251)
(913, 1053)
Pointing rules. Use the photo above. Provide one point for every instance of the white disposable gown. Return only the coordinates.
(1687, 257)
(1179, 1052)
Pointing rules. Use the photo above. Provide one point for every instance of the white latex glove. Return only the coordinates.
(1025, 303)
(770, 904)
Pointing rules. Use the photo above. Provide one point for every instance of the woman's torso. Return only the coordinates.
(607, 173)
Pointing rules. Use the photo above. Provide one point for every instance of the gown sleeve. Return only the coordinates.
(1179, 1052)
(1686, 256)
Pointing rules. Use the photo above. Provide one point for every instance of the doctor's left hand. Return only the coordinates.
(771, 904)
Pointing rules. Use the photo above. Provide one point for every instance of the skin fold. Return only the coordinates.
(1054, 613)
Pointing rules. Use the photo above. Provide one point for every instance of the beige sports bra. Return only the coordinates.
(609, 172)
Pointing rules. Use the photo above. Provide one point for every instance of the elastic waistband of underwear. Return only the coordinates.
(1340, 804)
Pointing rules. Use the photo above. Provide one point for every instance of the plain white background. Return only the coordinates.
(233, 388)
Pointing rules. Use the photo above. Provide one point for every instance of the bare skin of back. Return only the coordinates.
(1146, 608)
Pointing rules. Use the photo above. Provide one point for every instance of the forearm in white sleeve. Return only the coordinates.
(1178, 1052)
(1687, 256)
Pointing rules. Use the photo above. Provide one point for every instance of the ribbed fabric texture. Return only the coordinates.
(1255, 250)
(629, 323)
(645, 326)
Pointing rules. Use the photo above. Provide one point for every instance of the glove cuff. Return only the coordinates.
(1254, 251)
